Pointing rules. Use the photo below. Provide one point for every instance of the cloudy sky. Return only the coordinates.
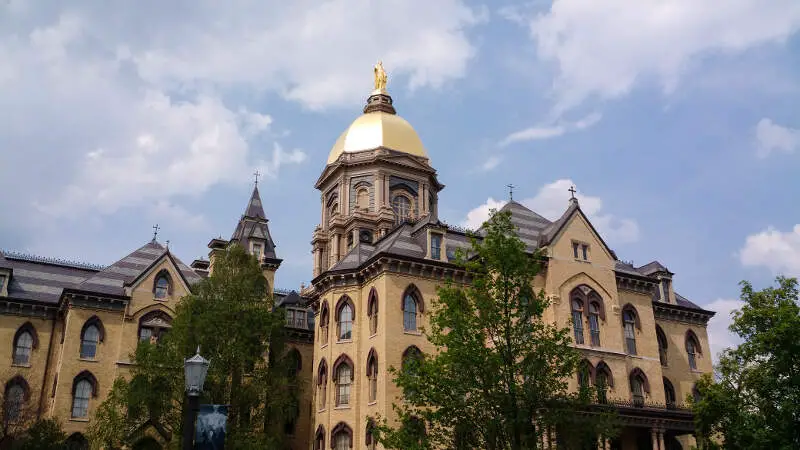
(676, 120)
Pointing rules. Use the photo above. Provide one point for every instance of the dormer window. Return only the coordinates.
(257, 249)
(665, 290)
(402, 208)
(436, 246)
(296, 318)
(2, 283)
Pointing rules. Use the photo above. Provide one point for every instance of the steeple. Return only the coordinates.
(252, 231)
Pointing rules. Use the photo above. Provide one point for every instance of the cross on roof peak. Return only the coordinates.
(155, 232)
(256, 174)
(510, 192)
(572, 192)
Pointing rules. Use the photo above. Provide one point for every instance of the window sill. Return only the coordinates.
(345, 341)
(582, 260)
(26, 366)
(79, 419)
(413, 333)
(93, 360)
(342, 407)
(372, 403)
(373, 335)
(322, 410)
(161, 299)
(323, 345)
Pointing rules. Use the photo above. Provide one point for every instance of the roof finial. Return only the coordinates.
(510, 192)
(380, 77)
(155, 232)
(167, 244)
(256, 174)
(572, 192)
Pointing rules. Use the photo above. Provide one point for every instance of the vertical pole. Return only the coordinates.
(655, 438)
(661, 440)
(189, 415)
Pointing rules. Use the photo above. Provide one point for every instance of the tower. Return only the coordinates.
(252, 233)
(378, 174)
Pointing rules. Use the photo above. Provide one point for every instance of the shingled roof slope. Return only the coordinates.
(113, 279)
(41, 279)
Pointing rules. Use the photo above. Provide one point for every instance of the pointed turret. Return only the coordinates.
(252, 231)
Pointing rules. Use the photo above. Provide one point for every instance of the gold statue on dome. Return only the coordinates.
(380, 77)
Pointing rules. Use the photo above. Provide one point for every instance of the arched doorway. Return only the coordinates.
(76, 441)
(147, 443)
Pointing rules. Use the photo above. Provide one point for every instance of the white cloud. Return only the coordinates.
(541, 132)
(603, 49)
(552, 200)
(776, 250)
(491, 162)
(719, 336)
(771, 137)
(119, 106)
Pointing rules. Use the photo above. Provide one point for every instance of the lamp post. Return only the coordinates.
(195, 370)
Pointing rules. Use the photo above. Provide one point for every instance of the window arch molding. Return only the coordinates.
(412, 351)
(663, 345)
(18, 380)
(372, 310)
(636, 319)
(319, 438)
(87, 376)
(639, 373)
(587, 295)
(94, 320)
(344, 300)
(27, 326)
(414, 291)
(341, 428)
(322, 372)
(372, 358)
(369, 431)
(295, 359)
(324, 314)
(692, 337)
(603, 368)
(670, 396)
(163, 274)
(586, 367)
(343, 359)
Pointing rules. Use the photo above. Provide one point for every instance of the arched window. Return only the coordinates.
(25, 340)
(91, 335)
(161, 287)
(411, 305)
(411, 359)
(343, 376)
(594, 323)
(322, 384)
(584, 374)
(362, 198)
(294, 363)
(153, 326)
(369, 437)
(692, 349)
(17, 393)
(83, 388)
(662, 345)
(577, 320)
(372, 375)
(629, 323)
(319, 438)
(603, 380)
(639, 386)
(341, 437)
(372, 311)
(344, 319)
(324, 317)
(669, 393)
(402, 208)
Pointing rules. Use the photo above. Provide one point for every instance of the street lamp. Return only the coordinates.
(194, 370)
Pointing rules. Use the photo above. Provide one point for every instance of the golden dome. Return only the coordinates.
(378, 129)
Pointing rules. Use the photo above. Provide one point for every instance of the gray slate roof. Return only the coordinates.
(41, 279)
(113, 279)
(253, 226)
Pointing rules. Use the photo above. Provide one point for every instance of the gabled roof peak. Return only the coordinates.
(254, 208)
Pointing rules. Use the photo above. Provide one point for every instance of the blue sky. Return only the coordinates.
(676, 120)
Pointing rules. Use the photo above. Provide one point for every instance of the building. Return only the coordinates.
(70, 327)
(380, 251)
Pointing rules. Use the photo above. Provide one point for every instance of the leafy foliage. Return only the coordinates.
(498, 365)
(232, 320)
(755, 401)
(45, 434)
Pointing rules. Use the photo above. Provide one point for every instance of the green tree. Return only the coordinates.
(755, 401)
(230, 317)
(44, 434)
(498, 377)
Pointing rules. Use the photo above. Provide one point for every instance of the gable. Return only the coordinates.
(578, 228)
(143, 285)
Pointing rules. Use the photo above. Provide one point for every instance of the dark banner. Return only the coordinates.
(210, 429)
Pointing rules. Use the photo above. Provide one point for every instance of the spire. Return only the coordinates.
(254, 208)
(253, 229)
